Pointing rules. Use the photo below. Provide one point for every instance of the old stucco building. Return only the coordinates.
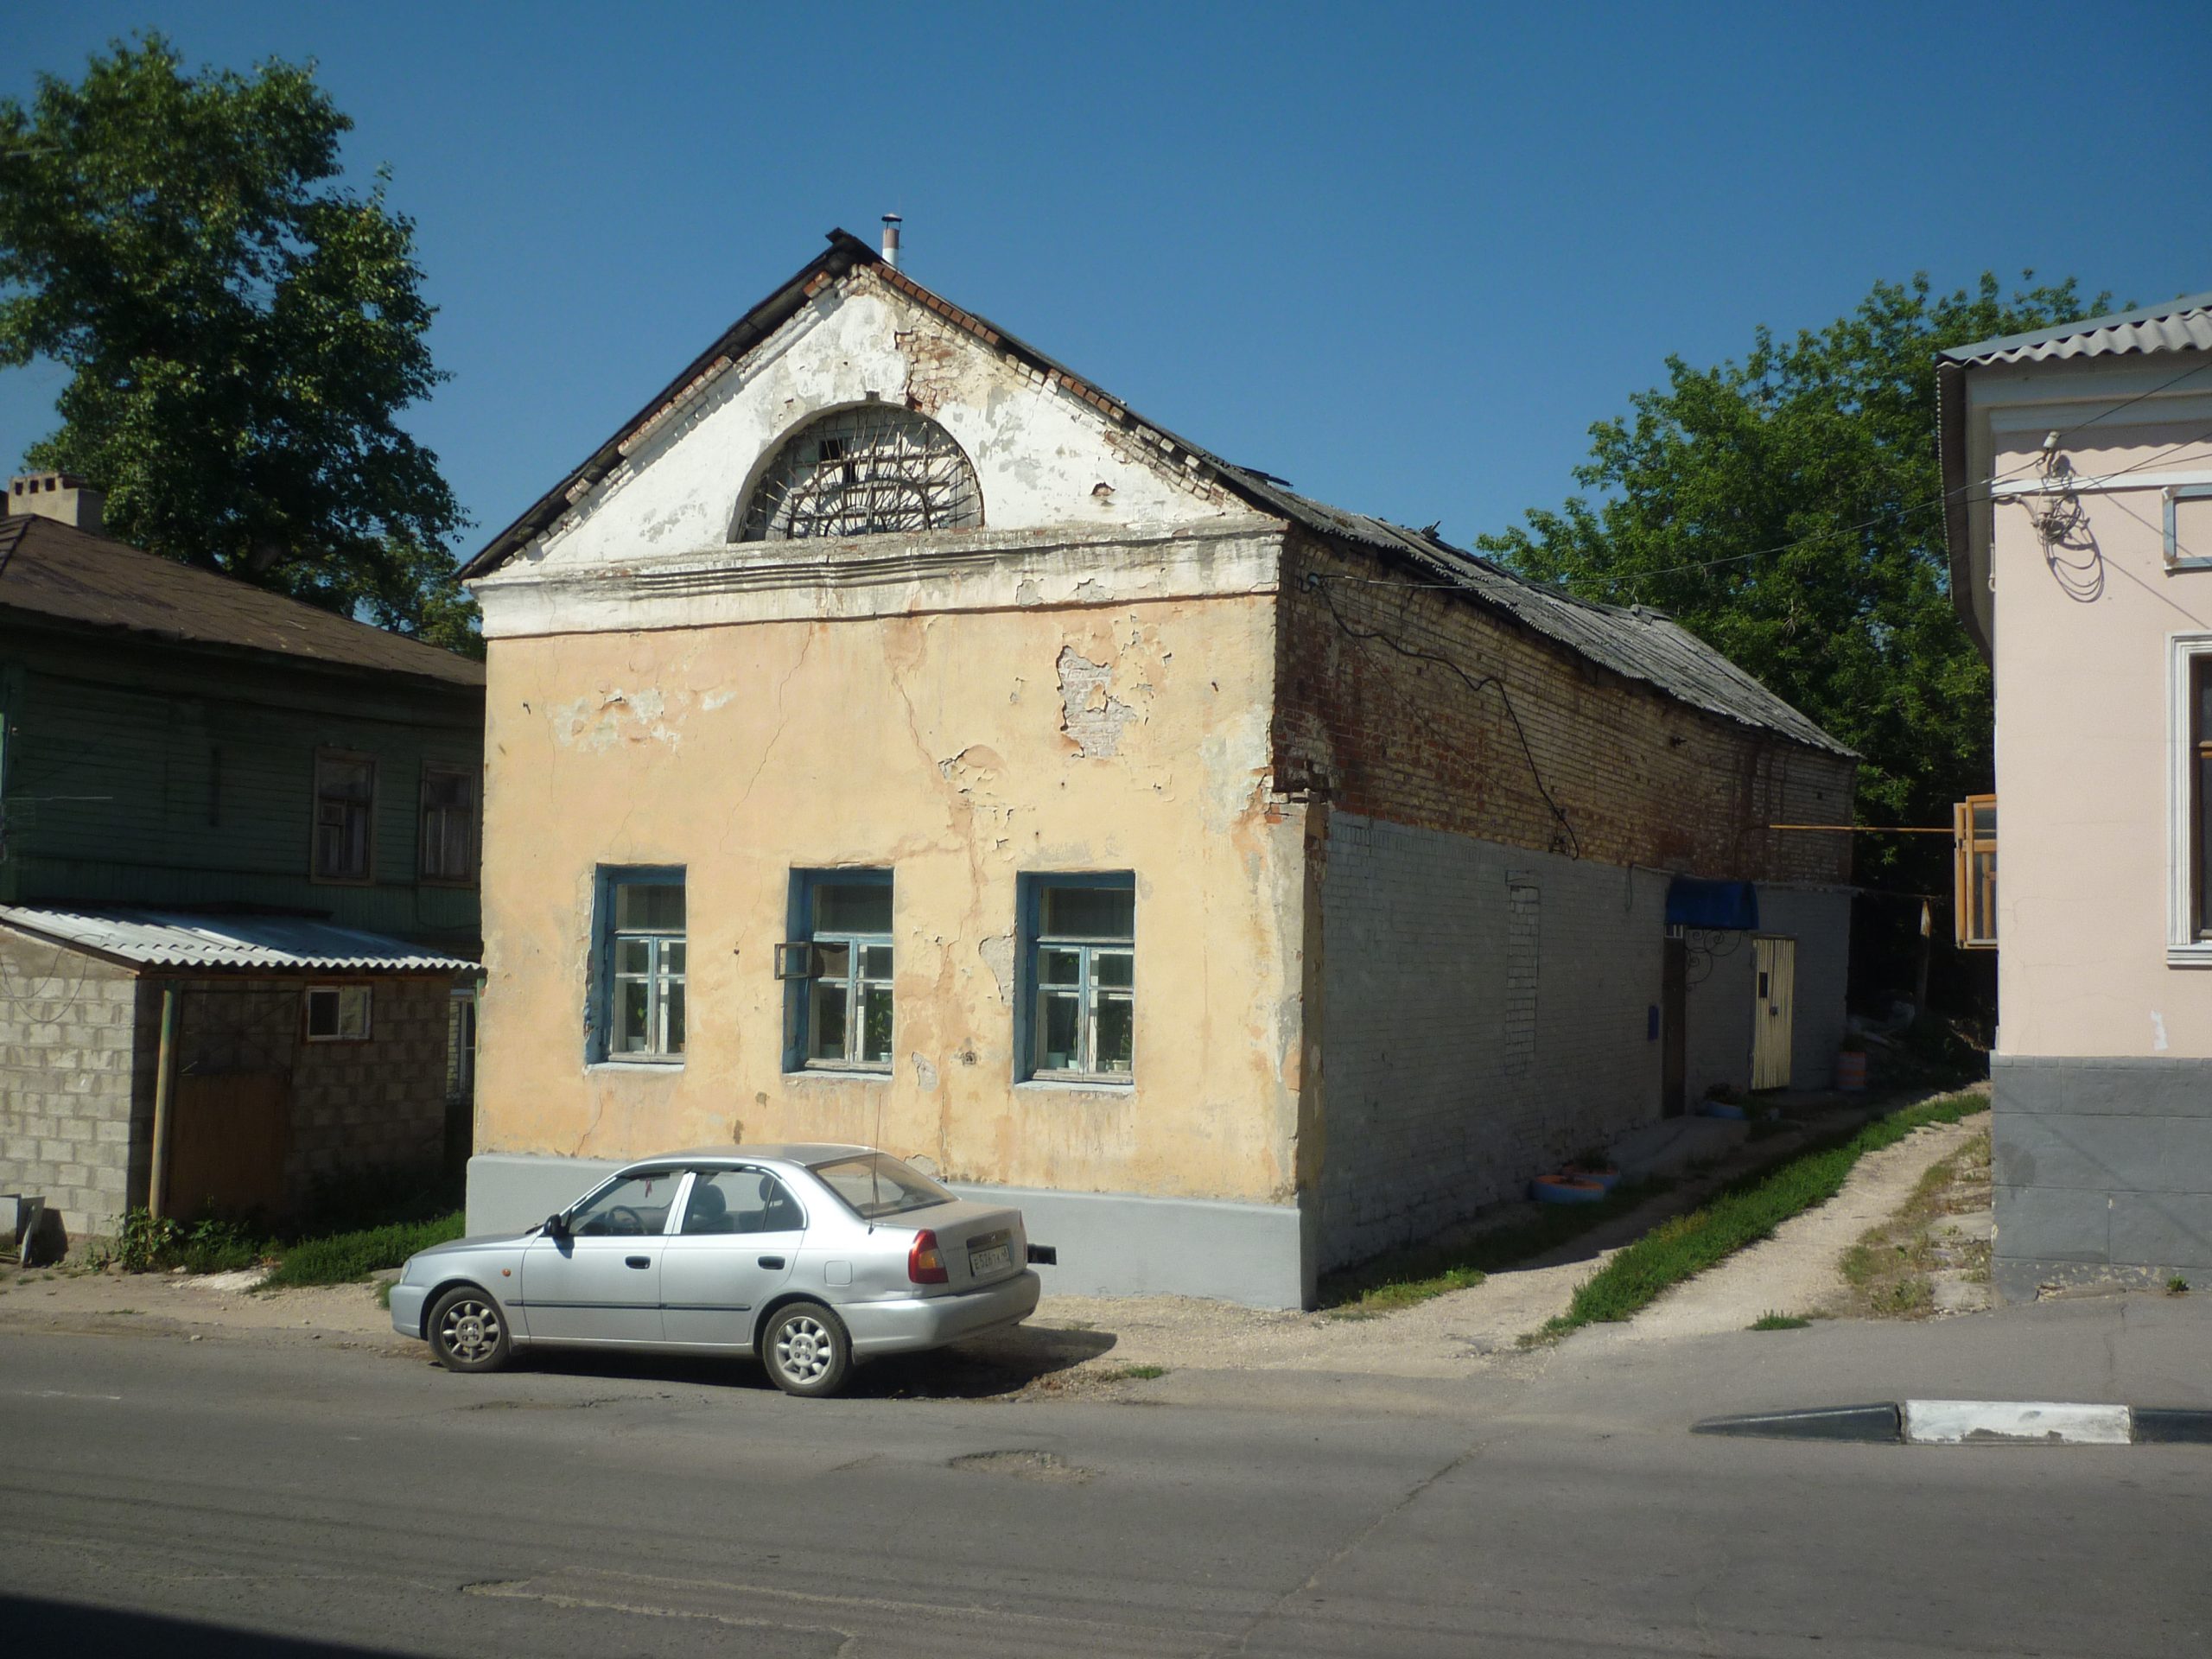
(893, 738)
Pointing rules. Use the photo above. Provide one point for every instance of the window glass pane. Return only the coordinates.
(345, 780)
(1116, 1033)
(446, 789)
(1985, 821)
(649, 906)
(671, 957)
(876, 1184)
(876, 1025)
(1112, 967)
(1090, 913)
(2203, 671)
(353, 1011)
(633, 1033)
(833, 960)
(853, 907)
(829, 1042)
(674, 990)
(633, 955)
(1059, 966)
(1060, 1027)
(875, 961)
(322, 1013)
(630, 1208)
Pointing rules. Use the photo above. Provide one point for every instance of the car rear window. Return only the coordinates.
(874, 1184)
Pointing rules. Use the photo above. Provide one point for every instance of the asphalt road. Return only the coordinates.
(277, 1498)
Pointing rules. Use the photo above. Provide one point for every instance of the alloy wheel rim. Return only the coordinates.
(470, 1330)
(803, 1349)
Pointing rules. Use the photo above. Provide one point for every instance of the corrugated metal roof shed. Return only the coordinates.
(1639, 643)
(2178, 326)
(169, 938)
(52, 569)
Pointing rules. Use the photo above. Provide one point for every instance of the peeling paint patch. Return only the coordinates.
(997, 952)
(924, 1074)
(596, 724)
(1091, 716)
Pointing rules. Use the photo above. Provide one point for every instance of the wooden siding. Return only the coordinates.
(143, 774)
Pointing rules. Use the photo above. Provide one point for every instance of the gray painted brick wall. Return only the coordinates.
(68, 1037)
(1453, 1073)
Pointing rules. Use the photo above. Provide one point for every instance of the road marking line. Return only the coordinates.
(62, 1394)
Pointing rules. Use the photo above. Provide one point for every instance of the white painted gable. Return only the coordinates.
(1043, 458)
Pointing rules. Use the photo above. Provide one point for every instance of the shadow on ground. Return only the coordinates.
(989, 1367)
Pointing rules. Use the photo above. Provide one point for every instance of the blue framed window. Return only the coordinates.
(638, 1003)
(836, 965)
(1077, 1007)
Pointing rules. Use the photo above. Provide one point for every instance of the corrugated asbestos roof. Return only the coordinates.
(1638, 643)
(171, 938)
(2182, 324)
(52, 569)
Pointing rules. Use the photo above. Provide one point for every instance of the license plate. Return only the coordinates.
(995, 1260)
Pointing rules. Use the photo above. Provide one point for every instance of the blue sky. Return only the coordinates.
(1403, 256)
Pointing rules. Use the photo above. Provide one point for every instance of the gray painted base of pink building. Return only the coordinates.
(2102, 1171)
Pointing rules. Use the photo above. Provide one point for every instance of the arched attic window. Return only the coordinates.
(875, 470)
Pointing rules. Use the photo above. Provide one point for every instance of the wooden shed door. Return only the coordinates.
(227, 1144)
(1774, 968)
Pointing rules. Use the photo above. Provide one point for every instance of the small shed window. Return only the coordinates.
(1973, 827)
(338, 1014)
(872, 471)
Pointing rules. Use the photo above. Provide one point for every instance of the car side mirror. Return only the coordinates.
(556, 1225)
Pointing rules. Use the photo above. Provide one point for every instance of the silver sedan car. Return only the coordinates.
(812, 1257)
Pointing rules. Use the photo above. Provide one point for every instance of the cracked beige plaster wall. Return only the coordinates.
(939, 745)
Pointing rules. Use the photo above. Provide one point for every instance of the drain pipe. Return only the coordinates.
(164, 1070)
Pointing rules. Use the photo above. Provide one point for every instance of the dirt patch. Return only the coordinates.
(1932, 1256)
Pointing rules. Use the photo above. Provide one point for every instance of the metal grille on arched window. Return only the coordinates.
(870, 471)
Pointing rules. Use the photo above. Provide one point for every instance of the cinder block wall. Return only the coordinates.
(71, 1042)
(1488, 1013)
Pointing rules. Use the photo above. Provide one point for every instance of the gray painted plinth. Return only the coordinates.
(1109, 1243)
(2103, 1171)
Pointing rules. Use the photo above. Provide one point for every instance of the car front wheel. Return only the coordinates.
(807, 1351)
(469, 1331)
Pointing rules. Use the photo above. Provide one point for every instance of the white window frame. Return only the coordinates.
(808, 959)
(2183, 948)
(658, 977)
(1088, 991)
(342, 994)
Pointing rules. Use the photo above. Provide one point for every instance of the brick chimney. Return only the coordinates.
(62, 496)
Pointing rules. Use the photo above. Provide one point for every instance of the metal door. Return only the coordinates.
(1774, 968)
(602, 1282)
(739, 1241)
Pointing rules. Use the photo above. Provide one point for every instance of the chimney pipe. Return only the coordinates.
(63, 497)
(891, 222)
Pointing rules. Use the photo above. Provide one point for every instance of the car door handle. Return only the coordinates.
(772, 1261)
(636, 1261)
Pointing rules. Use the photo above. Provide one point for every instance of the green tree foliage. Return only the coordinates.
(1787, 508)
(241, 331)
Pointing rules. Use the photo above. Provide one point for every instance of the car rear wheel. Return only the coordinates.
(807, 1351)
(468, 1331)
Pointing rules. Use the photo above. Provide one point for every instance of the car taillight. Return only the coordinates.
(923, 1265)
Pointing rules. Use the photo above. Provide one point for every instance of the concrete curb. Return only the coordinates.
(1975, 1422)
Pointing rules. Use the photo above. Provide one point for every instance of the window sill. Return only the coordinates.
(2189, 955)
(840, 1074)
(1051, 1083)
(631, 1062)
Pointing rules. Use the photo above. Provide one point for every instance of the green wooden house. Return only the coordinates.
(295, 797)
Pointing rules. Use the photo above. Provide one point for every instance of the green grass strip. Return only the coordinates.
(343, 1257)
(1408, 1277)
(1741, 1214)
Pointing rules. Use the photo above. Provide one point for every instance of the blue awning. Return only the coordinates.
(1693, 903)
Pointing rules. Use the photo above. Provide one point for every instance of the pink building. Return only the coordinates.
(2077, 463)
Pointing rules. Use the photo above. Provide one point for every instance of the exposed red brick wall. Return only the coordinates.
(1642, 779)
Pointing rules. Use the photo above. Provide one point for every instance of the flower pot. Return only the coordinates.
(1564, 1189)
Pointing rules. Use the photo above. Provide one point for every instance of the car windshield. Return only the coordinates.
(874, 1184)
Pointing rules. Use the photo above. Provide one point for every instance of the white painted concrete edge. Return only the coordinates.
(2034, 1423)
